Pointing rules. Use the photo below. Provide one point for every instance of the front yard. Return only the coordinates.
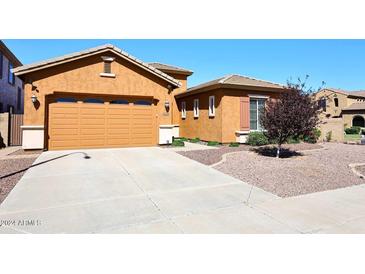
(312, 170)
(13, 167)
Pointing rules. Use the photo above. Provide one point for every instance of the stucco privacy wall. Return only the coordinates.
(333, 125)
(83, 76)
(221, 128)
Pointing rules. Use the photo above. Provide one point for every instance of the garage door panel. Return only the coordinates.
(81, 125)
(64, 131)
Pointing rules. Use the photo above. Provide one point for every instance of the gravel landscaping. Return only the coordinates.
(9, 166)
(312, 171)
(212, 156)
(209, 157)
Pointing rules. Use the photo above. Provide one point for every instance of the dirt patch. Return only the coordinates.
(314, 171)
(10, 173)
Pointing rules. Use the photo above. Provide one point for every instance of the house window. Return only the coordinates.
(119, 102)
(211, 106)
(93, 101)
(196, 108)
(11, 77)
(322, 103)
(19, 99)
(66, 100)
(142, 103)
(107, 67)
(107, 70)
(256, 107)
(1, 65)
(336, 102)
(183, 110)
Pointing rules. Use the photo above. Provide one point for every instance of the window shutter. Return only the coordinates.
(244, 113)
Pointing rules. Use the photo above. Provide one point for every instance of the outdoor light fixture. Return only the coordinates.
(34, 98)
(167, 105)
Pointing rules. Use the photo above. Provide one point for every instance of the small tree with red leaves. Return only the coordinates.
(293, 114)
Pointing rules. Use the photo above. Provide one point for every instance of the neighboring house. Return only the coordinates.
(340, 109)
(336, 103)
(100, 97)
(11, 87)
(226, 109)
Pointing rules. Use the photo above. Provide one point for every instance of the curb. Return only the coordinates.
(353, 168)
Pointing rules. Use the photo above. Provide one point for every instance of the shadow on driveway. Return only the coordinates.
(86, 156)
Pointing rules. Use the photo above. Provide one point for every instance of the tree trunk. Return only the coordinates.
(278, 151)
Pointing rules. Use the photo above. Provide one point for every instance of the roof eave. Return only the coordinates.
(187, 73)
(21, 72)
(228, 86)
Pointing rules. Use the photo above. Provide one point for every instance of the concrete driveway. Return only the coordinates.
(124, 190)
(155, 190)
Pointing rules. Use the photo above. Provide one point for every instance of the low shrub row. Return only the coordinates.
(259, 138)
(353, 130)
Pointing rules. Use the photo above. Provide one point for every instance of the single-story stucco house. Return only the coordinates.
(226, 109)
(104, 97)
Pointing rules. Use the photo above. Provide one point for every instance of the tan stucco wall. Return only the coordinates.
(174, 106)
(226, 122)
(82, 76)
(331, 110)
(206, 128)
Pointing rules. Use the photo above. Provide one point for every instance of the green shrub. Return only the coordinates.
(257, 138)
(353, 130)
(329, 136)
(195, 140)
(183, 139)
(234, 144)
(312, 137)
(212, 143)
(177, 143)
(293, 140)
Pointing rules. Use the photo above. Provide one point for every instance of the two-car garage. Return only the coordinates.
(89, 122)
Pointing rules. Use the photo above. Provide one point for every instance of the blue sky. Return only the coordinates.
(340, 63)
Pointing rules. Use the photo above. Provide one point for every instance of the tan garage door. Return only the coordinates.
(74, 125)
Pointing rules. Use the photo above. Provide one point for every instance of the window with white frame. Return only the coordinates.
(257, 105)
(183, 109)
(211, 106)
(196, 108)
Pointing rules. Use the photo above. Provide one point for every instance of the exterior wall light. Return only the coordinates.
(34, 98)
(167, 105)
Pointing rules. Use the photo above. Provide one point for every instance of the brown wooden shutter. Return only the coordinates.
(244, 113)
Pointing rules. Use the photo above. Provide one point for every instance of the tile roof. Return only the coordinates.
(80, 54)
(359, 93)
(238, 80)
(232, 80)
(165, 67)
(356, 106)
